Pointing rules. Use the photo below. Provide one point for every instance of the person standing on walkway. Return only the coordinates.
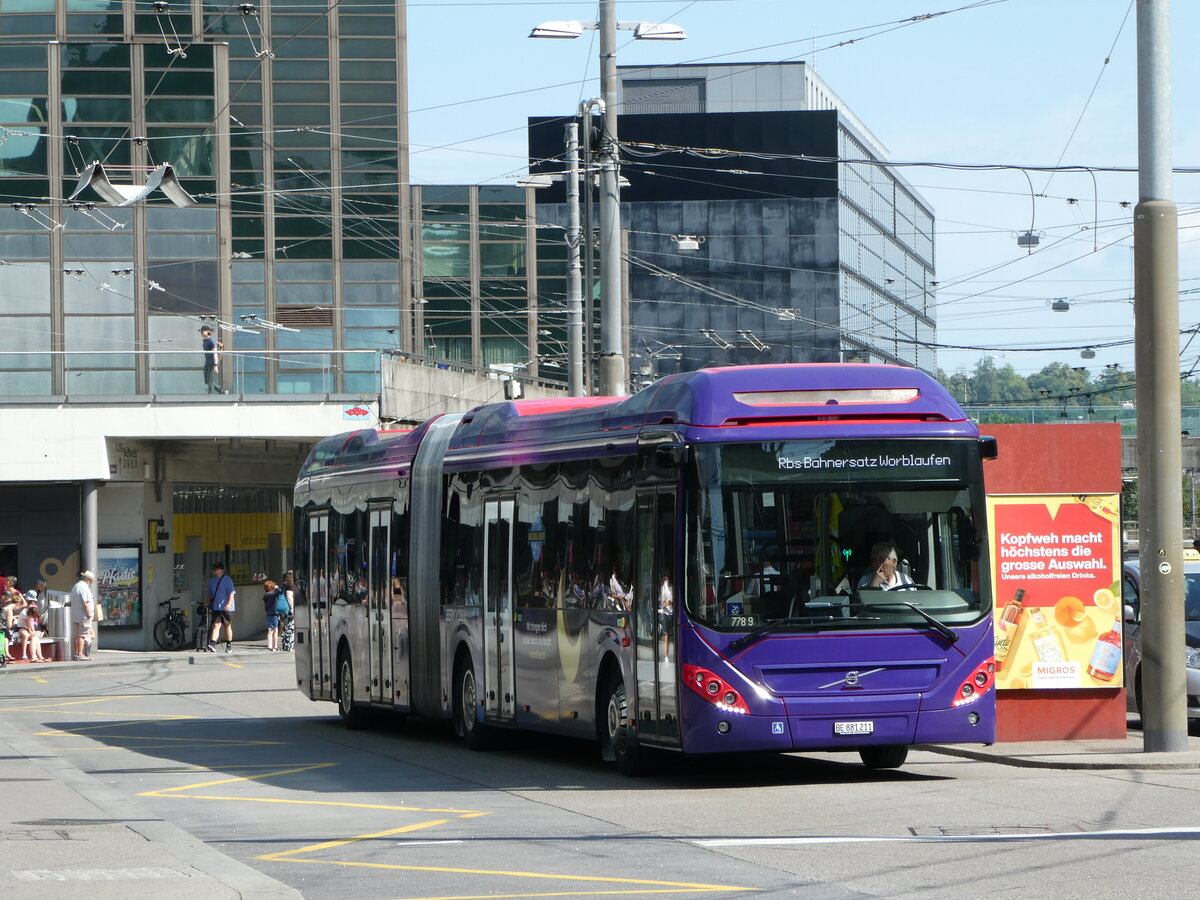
(83, 611)
(212, 361)
(221, 598)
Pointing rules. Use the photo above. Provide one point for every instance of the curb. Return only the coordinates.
(1065, 764)
(139, 657)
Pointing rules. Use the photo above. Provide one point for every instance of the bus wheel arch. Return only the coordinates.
(352, 714)
(466, 702)
(618, 739)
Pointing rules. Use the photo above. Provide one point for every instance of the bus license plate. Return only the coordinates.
(853, 727)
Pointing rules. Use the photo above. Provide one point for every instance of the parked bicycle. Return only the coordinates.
(170, 631)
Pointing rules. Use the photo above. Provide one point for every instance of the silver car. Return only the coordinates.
(1131, 597)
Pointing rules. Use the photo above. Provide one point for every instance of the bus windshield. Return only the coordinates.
(844, 533)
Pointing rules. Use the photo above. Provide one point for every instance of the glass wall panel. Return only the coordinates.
(370, 271)
(303, 271)
(23, 83)
(185, 83)
(95, 109)
(367, 48)
(83, 82)
(189, 150)
(368, 70)
(89, 25)
(373, 294)
(174, 110)
(302, 92)
(377, 318)
(102, 246)
(14, 26)
(24, 287)
(446, 260)
(23, 152)
(174, 246)
(26, 6)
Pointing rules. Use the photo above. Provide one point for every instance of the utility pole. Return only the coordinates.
(574, 264)
(613, 375)
(1156, 355)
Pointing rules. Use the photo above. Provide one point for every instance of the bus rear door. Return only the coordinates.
(318, 605)
(379, 592)
(499, 687)
(657, 591)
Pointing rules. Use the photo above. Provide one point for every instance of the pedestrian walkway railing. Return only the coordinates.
(90, 375)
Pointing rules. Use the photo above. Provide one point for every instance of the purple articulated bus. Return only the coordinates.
(761, 558)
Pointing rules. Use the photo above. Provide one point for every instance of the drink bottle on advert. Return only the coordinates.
(1045, 639)
(1007, 626)
(1106, 658)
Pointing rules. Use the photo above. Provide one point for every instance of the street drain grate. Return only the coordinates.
(57, 823)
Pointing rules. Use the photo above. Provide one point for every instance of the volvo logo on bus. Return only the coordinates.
(851, 679)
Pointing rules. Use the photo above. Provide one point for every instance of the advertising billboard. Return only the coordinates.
(1057, 578)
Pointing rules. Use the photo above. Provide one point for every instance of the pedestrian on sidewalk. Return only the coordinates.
(83, 612)
(287, 621)
(221, 598)
(273, 601)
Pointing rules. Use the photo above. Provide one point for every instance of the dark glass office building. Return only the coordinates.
(808, 249)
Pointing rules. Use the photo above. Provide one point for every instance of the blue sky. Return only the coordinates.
(1014, 82)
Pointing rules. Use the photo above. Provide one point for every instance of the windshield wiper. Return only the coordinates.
(751, 637)
(940, 627)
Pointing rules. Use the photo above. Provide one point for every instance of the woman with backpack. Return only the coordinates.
(274, 600)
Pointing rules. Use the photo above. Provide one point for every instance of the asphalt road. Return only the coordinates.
(228, 751)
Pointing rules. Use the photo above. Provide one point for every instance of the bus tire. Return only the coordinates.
(353, 715)
(617, 740)
(474, 733)
(888, 756)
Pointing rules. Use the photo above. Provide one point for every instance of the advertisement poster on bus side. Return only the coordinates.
(1057, 578)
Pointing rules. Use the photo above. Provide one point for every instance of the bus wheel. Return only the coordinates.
(474, 732)
(352, 714)
(617, 741)
(886, 757)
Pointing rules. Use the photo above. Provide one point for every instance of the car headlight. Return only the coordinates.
(1193, 657)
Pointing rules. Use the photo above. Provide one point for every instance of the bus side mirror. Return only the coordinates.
(987, 448)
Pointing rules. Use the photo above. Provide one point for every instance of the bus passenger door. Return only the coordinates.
(317, 600)
(499, 687)
(379, 615)
(656, 597)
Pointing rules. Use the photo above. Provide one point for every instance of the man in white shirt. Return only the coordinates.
(83, 611)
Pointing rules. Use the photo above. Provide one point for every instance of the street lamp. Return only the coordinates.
(613, 376)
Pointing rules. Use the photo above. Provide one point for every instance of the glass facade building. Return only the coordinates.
(286, 124)
(810, 248)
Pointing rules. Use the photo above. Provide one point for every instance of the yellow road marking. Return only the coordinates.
(326, 845)
(234, 665)
(184, 792)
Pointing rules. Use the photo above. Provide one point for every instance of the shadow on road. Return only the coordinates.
(400, 754)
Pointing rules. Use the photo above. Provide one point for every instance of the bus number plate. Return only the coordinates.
(853, 727)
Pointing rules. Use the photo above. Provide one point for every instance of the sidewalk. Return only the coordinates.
(241, 650)
(1126, 753)
(65, 834)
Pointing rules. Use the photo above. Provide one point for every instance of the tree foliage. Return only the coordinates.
(1055, 385)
